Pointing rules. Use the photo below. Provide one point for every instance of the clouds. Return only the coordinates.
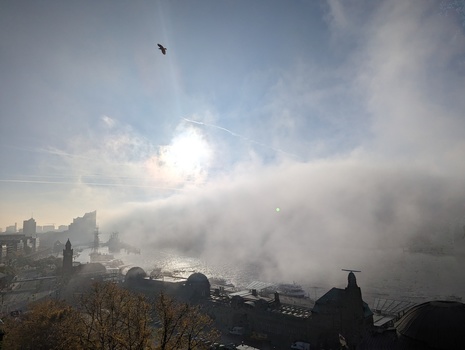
(397, 181)
(347, 116)
(406, 72)
(331, 212)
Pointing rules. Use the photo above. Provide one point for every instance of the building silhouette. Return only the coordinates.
(29, 227)
(82, 228)
(67, 259)
(432, 325)
(340, 319)
(343, 311)
(25, 241)
(338, 312)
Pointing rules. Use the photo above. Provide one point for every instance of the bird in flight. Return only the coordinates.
(163, 49)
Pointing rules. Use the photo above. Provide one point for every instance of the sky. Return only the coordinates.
(270, 131)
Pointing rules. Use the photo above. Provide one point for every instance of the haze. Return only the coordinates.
(348, 116)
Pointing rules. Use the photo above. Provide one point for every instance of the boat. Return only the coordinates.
(97, 257)
(291, 290)
(107, 260)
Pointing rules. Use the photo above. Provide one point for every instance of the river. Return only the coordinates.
(406, 276)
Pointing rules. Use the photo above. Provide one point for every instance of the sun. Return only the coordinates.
(187, 156)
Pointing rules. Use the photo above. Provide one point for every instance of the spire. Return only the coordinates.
(352, 280)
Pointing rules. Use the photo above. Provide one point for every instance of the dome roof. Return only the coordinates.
(435, 325)
(196, 278)
(135, 273)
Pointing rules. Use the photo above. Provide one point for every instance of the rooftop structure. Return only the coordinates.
(434, 325)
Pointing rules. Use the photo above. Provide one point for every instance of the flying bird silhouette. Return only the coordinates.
(163, 49)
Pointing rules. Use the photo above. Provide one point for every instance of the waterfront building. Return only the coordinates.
(342, 312)
(194, 289)
(339, 311)
(82, 228)
(433, 325)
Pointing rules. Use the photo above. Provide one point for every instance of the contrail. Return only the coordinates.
(241, 137)
(52, 151)
(61, 154)
(90, 184)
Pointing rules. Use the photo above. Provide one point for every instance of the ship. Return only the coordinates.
(291, 290)
(107, 260)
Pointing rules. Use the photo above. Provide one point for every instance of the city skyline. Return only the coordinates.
(286, 127)
(19, 226)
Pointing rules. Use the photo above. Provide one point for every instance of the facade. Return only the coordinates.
(433, 325)
(194, 289)
(12, 228)
(338, 312)
(82, 228)
(48, 228)
(343, 312)
(62, 228)
(15, 242)
(30, 227)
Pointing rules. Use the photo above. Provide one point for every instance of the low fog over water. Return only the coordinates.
(253, 149)
(333, 215)
(390, 272)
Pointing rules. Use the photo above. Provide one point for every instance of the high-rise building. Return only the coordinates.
(82, 228)
(29, 227)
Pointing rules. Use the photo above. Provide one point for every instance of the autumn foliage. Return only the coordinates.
(110, 318)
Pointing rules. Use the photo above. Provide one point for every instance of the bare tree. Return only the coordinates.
(182, 326)
(110, 318)
(114, 318)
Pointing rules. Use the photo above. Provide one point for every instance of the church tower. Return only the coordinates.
(353, 318)
(67, 258)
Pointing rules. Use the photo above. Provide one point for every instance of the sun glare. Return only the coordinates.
(188, 155)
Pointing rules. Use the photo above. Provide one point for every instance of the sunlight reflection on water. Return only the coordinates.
(181, 265)
(410, 278)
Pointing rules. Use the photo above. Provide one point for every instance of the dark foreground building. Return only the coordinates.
(338, 312)
(434, 325)
(341, 312)
(340, 319)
